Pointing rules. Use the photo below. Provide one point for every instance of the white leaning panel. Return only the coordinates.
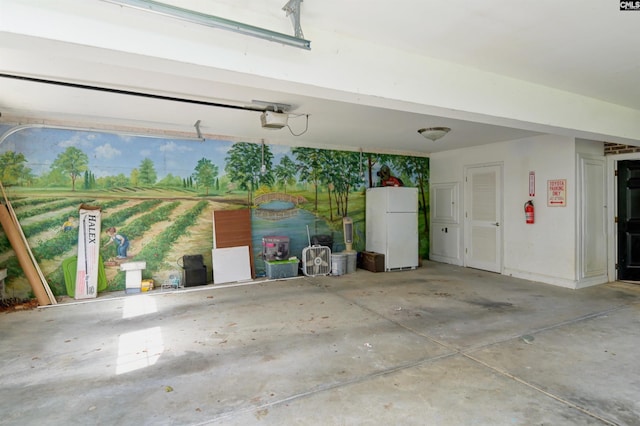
(231, 264)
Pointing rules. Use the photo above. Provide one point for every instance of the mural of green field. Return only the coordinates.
(156, 228)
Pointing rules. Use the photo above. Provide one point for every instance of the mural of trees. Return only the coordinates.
(72, 162)
(243, 165)
(342, 171)
(13, 170)
(310, 167)
(170, 181)
(147, 173)
(286, 172)
(52, 178)
(134, 177)
(205, 174)
(89, 180)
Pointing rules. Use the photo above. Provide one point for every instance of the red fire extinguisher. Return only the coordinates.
(529, 211)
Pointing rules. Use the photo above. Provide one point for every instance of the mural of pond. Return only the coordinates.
(277, 205)
(294, 226)
(276, 210)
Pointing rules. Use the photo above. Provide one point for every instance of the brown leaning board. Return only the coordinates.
(232, 228)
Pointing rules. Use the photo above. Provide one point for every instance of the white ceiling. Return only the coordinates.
(494, 70)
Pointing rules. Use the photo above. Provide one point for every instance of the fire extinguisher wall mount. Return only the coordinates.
(529, 212)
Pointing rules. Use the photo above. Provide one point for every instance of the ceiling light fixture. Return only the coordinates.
(292, 8)
(434, 133)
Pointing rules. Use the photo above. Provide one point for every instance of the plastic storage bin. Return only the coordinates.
(281, 268)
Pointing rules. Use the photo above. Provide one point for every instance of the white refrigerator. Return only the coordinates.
(392, 225)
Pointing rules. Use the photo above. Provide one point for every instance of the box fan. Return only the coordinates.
(316, 260)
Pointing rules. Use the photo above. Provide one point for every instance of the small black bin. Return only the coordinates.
(192, 261)
(322, 240)
(195, 271)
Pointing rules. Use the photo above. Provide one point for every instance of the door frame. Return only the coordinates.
(500, 201)
(612, 201)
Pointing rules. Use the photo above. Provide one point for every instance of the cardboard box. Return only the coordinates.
(371, 261)
(281, 268)
(275, 248)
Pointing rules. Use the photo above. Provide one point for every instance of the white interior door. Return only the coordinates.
(483, 217)
(592, 236)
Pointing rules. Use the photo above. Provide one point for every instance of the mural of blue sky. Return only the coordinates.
(111, 154)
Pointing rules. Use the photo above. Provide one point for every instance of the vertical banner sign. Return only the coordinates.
(557, 193)
(532, 184)
(88, 252)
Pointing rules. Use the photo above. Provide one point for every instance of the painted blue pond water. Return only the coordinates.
(277, 205)
(294, 227)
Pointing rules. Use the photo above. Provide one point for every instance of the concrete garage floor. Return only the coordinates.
(441, 345)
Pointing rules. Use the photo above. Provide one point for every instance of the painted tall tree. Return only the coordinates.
(343, 170)
(243, 166)
(205, 174)
(310, 167)
(147, 172)
(89, 180)
(12, 168)
(72, 162)
(135, 177)
(286, 172)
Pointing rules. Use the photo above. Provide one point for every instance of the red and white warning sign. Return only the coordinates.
(557, 193)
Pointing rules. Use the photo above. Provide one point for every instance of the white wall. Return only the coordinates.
(544, 251)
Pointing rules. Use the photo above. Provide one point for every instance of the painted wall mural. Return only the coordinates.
(159, 195)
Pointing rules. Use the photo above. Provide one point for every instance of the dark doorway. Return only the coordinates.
(629, 220)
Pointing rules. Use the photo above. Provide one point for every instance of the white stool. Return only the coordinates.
(133, 276)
